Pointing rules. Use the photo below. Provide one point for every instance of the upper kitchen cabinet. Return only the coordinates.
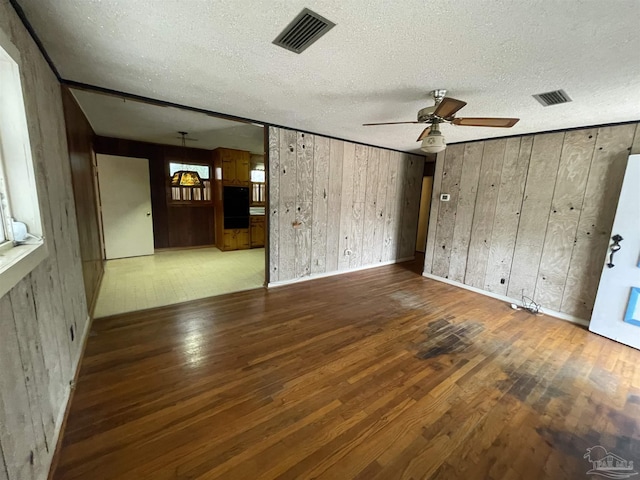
(235, 166)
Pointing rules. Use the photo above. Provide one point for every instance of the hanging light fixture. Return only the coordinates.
(186, 178)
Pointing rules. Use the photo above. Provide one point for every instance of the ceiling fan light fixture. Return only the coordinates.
(434, 142)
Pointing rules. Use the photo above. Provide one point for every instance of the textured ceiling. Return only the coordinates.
(116, 117)
(376, 65)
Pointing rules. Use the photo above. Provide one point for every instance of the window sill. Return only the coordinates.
(18, 262)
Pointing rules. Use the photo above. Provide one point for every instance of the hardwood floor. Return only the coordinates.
(378, 374)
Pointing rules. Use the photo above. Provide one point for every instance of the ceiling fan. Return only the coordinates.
(444, 111)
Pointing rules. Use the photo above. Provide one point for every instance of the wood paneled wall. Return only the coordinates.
(337, 206)
(173, 226)
(80, 137)
(43, 319)
(530, 214)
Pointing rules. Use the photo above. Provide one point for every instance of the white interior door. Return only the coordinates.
(125, 198)
(616, 313)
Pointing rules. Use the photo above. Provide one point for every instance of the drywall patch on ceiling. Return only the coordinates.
(378, 65)
(303, 31)
(116, 117)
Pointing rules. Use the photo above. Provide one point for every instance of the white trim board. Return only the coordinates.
(546, 311)
(337, 272)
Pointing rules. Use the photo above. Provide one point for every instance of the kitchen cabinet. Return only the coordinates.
(236, 239)
(235, 166)
(257, 231)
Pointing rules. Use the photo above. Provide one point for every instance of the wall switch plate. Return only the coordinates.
(445, 197)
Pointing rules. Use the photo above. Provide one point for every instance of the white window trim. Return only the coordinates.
(18, 190)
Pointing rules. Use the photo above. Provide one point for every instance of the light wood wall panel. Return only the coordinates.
(545, 205)
(609, 162)
(44, 318)
(507, 218)
(337, 206)
(464, 210)
(534, 216)
(482, 225)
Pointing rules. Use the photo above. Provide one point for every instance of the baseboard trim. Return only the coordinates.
(504, 298)
(336, 272)
(57, 440)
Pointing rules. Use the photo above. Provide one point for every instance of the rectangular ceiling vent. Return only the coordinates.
(552, 98)
(303, 31)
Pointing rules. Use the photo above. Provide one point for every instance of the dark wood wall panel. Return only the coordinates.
(184, 226)
(80, 143)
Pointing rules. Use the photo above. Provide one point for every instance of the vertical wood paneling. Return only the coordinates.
(380, 208)
(357, 208)
(274, 204)
(411, 206)
(571, 181)
(451, 174)
(596, 218)
(507, 217)
(304, 203)
(334, 204)
(484, 213)
(534, 216)
(392, 208)
(346, 205)
(371, 193)
(432, 231)
(472, 160)
(16, 426)
(288, 190)
(321, 153)
(337, 206)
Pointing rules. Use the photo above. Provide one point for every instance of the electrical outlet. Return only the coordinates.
(445, 197)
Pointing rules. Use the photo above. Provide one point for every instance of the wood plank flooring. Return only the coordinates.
(378, 374)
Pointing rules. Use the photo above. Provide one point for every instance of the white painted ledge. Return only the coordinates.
(336, 272)
(18, 262)
(546, 311)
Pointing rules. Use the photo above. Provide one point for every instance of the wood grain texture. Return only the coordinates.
(534, 216)
(274, 206)
(393, 209)
(486, 202)
(375, 374)
(304, 203)
(551, 223)
(287, 205)
(346, 205)
(370, 210)
(336, 160)
(80, 141)
(432, 230)
(507, 217)
(38, 356)
(451, 174)
(596, 218)
(342, 206)
(321, 154)
(466, 203)
(411, 205)
(571, 182)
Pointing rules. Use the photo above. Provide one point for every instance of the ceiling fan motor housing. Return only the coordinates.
(426, 114)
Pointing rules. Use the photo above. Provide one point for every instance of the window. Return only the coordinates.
(18, 193)
(258, 190)
(190, 194)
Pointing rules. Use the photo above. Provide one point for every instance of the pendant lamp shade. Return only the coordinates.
(186, 178)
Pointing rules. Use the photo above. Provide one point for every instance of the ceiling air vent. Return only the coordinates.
(552, 98)
(304, 30)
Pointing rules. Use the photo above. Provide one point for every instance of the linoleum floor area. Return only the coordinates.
(176, 276)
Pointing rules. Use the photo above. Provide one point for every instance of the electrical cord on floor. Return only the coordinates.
(529, 305)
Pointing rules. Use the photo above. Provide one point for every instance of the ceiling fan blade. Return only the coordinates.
(448, 107)
(424, 133)
(386, 123)
(486, 122)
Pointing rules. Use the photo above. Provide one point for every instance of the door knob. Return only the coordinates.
(615, 246)
(148, 214)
